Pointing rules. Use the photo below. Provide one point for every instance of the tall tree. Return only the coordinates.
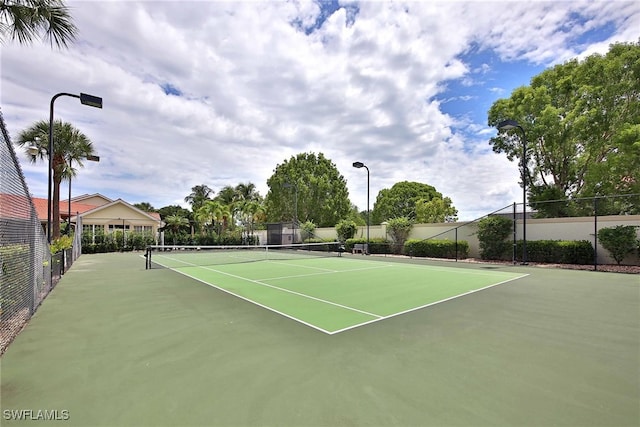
(311, 183)
(247, 191)
(582, 126)
(71, 145)
(227, 195)
(198, 196)
(400, 200)
(145, 207)
(207, 214)
(435, 210)
(24, 20)
(176, 224)
(167, 211)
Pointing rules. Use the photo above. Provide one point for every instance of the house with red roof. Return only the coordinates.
(99, 213)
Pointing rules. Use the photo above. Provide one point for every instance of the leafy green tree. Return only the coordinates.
(620, 241)
(198, 196)
(307, 230)
(145, 207)
(214, 212)
(435, 210)
(250, 212)
(227, 195)
(400, 200)
(321, 191)
(360, 218)
(167, 211)
(176, 224)
(493, 232)
(346, 229)
(71, 145)
(398, 229)
(23, 20)
(582, 125)
(246, 191)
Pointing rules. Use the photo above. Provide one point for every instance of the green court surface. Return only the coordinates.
(334, 294)
(117, 345)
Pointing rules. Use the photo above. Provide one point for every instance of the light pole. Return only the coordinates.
(359, 165)
(507, 125)
(93, 101)
(295, 214)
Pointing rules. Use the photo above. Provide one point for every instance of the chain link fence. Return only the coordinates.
(25, 260)
(535, 229)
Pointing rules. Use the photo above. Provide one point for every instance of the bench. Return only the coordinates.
(359, 248)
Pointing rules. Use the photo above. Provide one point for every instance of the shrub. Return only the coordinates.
(558, 251)
(492, 234)
(61, 244)
(346, 229)
(306, 230)
(437, 248)
(377, 245)
(619, 241)
(318, 240)
(399, 229)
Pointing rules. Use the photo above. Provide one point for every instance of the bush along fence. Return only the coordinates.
(499, 235)
(414, 248)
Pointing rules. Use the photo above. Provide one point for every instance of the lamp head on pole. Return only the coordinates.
(358, 165)
(508, 124)
(93, 101)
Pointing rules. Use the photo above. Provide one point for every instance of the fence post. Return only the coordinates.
(456, 244)
(513, 254)
(595, 233)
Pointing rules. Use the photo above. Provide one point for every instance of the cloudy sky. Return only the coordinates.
(219, 93)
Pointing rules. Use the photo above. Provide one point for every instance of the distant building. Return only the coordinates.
(99, 213)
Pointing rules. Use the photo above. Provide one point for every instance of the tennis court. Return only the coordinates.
(116, 344)
(323, 289)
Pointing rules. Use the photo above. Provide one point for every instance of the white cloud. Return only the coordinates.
(255, 90)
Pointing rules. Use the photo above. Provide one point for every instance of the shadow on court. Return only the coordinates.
(118, 345)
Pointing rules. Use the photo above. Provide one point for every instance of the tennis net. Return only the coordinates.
(174, 256)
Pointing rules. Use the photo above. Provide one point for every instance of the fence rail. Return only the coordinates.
(28, 272)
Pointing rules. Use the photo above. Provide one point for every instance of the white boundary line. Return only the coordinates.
(328, 272)
(427, 305)
(278, 288)
(378, 318)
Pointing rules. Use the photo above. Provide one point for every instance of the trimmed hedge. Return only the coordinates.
(318, 240)
(436, 248)
(557, 251)
(376, 245)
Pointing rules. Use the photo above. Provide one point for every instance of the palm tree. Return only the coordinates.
(247, 192)
(145, 207)
(206, 215)
(23, 20)
(71, 145)
(251, 211)
(175, 223)
(199, 195)
(227, 195)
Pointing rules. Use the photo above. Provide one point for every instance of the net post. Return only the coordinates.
(147, 258)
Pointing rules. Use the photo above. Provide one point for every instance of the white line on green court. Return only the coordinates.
(270, 261)
(376, 317)
(325, 272)
(293, 292)
(275, 287)
(426, 305)
(288, 316)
